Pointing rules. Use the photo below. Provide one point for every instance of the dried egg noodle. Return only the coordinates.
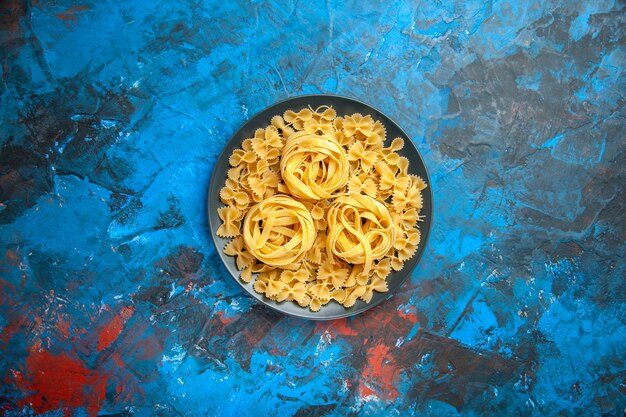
(360, 230)
(313, 166)
(278, 231)
(320, 209)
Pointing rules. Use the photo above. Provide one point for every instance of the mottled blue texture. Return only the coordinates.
(112, 297)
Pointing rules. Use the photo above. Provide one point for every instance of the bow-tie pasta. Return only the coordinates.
(321, 208)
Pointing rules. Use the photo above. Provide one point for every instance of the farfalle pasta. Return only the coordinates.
(320, 208)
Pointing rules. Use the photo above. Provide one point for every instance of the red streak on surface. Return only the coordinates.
(70, 14)
(277, 351)
(9, 330)
(410, 315)
(127, 387)
(337, 327)
(146, 348)
(7, 291)
(365, 391)
(225, 320)
(117, 360)
(380, 372)
(63, 326)
(112, 330)
(60, 382)
(340, 327)
(13, 259)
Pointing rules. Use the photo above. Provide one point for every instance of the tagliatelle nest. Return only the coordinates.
(278, 231)
(320, 209)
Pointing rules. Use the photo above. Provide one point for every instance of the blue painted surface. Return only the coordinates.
(113, 300)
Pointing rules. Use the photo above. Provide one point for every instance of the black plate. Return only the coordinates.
(343, 106)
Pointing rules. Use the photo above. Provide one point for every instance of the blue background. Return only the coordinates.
(113, 300)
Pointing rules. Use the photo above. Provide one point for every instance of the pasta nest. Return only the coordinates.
(279, 231)
(360, 230)
(313, 166)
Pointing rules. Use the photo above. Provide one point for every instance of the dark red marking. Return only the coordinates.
(60, 382)
(410, 315)
(112, 330)
(63, 326)
(380, 374)
(12, 257)
(225, 320)
(9, 330)
(70, 14)
(340, 327)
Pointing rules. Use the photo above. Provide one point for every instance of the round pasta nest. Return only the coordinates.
(360, 230)
(319, 208)
(278, 231)
(313, 166)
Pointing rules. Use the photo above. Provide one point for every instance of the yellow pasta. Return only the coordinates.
(360, 230)
(339, 135)
(267, 143)
(301, 275)
(378, 285)
(356, 276)
(321, 126)
(359, 154)
(332, 274)
(339, 295)
(358, 125)
(263, 185)
(387, 177)
(230, 221)
(236, 248)
(316, 253)
(229, 194)
(320, 208)
(240, 156)
(353, 295)
(278, 231)
(297, 120)
(246, 274)
(381, 269)
(313, 166)
(319, 291)
(363, 184)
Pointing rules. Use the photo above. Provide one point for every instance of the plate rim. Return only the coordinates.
(348, 312)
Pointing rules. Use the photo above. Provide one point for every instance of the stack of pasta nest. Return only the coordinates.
(320, 208)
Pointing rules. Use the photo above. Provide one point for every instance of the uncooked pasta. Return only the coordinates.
(319, 208)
